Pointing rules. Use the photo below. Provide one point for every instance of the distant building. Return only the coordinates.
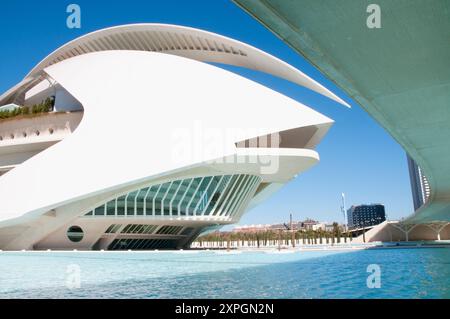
(282, 226)
(365, 215)
(261, 228)
(319, 226)
(325, 226)
(251, 228)
(419, 184)
(309, 224)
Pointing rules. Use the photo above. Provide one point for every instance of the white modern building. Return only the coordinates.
(149, 141)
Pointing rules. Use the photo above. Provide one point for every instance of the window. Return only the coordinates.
(75, 234)
(113, 229)
(121, 206)
(99, 211)
(139, 201)
(131, 203)
(111, 208)
(159, 197)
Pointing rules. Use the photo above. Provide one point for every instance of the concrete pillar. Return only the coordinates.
(437, 228)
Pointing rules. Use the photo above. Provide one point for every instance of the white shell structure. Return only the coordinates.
(149, 145)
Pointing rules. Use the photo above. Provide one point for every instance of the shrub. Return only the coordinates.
(43, 107)
(25, 110)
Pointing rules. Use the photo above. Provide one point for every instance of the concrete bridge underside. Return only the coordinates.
(398, 73)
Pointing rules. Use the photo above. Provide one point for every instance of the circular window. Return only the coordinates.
(75, 233)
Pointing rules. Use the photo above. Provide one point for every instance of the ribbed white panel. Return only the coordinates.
(177, 40)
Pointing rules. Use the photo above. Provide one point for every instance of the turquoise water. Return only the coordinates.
(405, 273)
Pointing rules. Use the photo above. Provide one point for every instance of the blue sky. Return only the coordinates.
(357, 156)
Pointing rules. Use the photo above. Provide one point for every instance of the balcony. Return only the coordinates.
(23, 136)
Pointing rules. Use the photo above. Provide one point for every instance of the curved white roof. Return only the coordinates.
(177, 40)
(155, 123)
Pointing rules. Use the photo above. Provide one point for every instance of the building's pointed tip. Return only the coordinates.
(337, 99)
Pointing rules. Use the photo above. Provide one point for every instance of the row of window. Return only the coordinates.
(141, 229)
(76, 234)
(138, 229)
(113, 229)
(141, 244)
(169, 230)
(221, 195)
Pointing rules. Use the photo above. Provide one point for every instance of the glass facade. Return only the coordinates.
(169, 230)
(220, 196)
(138, 229)
(113, 229)
(140, 244)
(142, 236)
(365, 215)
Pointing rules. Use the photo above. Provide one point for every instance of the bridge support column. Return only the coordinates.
(405, 228)
(437, 227)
